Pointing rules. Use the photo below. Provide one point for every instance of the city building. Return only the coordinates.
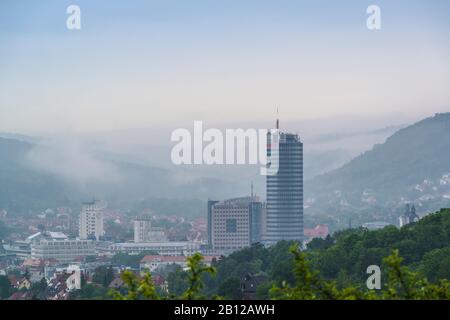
(18, 248)
(21, 249)
(142, 228)
(144, 232)
(284, 189)
(34, 268)
(409, 216)
(234, 224)
(376, 225)
(154, 262)
(57, 288)
(161, 248)
(63, 251)
(91, 221)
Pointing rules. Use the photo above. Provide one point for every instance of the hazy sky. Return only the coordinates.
(151, 63)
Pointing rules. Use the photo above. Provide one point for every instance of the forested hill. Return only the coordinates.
(25, 187)
(343, 257)
(412, 165)
(22, 188)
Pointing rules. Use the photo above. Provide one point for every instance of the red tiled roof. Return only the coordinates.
(210, 258)
(33, 263)
(318, 231)
(158, 280)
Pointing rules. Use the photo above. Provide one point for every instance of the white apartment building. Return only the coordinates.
(91, 221)
(142, 229)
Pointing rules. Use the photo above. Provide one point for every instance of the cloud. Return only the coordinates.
(70, 159)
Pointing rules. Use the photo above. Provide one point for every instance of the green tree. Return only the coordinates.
(195, 271)
(90, 292)
(231, 289)
(103, 276)
(144, 289)
(435, 264)
(6, 288)
(401, 284)
(39, 290)
(405, 284)
(137, 289)
(177, 282)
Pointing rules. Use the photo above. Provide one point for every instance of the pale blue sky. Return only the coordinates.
(143, 63)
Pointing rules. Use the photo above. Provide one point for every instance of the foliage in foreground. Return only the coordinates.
(144, 289)
(401, 284)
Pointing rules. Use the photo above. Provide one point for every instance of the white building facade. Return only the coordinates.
(142, 229)
(64, 251)
(161, 248)
(91, 221)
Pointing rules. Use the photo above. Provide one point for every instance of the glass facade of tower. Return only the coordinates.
(256, 221)
(285, 190)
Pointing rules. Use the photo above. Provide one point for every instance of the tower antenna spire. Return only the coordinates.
(278, 121)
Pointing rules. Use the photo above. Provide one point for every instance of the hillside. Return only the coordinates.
(22, 188)
(411, 166)
(25, 187)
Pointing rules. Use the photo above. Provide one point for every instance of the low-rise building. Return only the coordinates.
(154, 262)
(34, 269)
(64, 251)
(376, 225)
(161, 248)
(19, 249)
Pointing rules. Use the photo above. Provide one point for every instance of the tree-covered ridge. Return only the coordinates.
(22, 188)
(414, 261)
(350, 252)
(412, 164)
(417, 152)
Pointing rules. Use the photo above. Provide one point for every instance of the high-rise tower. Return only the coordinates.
(285, 190)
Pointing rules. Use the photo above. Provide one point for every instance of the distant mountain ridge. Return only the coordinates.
(413, 165)
(24, 187)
